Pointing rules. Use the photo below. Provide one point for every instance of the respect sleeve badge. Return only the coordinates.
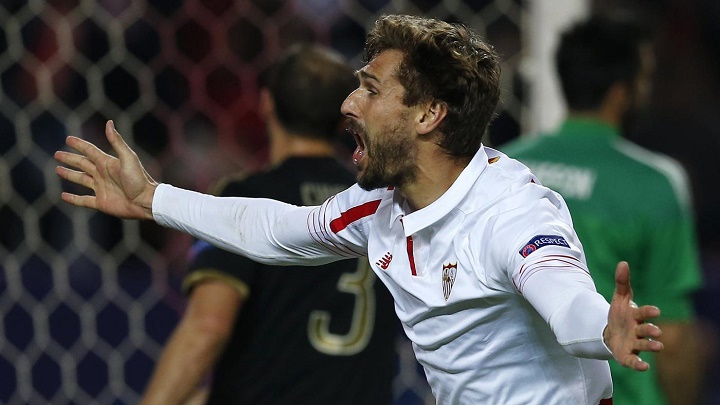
(540, 241)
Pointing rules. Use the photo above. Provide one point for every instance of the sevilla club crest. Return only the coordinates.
(449, 273)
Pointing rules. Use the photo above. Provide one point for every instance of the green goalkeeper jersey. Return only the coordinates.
(629, 204)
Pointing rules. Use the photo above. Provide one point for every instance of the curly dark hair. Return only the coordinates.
(446, 62)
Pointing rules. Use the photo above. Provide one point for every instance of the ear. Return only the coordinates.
(267, 105)
(431, 116)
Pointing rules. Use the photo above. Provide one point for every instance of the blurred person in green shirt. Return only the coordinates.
(627, 203)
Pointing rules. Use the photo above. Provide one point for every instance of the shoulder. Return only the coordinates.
(231, 184)
(525, 218)
(250, 184)
(656, 162)
(344, 221)
(355, 198)
(328, 167)
(504, 175)
(527, 144)
(512, 199)
(355, 207)
(659, 172)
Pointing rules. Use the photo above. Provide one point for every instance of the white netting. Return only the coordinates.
(87, 301)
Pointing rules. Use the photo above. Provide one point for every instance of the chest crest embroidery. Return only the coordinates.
(449, 273)
(384, 261)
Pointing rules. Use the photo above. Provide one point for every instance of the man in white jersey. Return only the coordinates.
(488, 276)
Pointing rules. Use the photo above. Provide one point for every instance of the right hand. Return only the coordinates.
(122, 186)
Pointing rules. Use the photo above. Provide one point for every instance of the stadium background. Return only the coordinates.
(87, 301)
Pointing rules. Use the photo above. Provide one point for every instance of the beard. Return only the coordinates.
(389, 157)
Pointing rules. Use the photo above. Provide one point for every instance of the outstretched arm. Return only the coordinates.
(583, 322)
(121, 185)
(264, 230)
(627, 334)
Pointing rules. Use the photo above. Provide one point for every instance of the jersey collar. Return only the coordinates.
(588, 127)
(420, 219)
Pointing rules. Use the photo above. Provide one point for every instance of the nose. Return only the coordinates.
(349, 106)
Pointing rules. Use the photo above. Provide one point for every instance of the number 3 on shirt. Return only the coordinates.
(359, 283)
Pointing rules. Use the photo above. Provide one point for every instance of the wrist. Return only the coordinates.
(145, 200)
(606, 339)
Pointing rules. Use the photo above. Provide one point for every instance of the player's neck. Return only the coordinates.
(436, 173)
(613, 107)
(600, 115)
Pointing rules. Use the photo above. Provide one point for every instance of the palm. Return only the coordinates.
(121, 185)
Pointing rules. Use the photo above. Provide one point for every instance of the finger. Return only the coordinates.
(118, 143)
(76, 161)
(64, 157)
(634, 362)
(622, 279)
(647, 312)
(76, 177)
(86, 201)
(648, 330)
(647, 345)
(86, 148)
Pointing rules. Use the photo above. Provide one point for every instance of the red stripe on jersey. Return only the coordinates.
(316, 229)
(606, 401)
(411, 256)
(353, 214)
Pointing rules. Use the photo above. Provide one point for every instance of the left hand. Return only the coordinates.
(121, 185)
(627, 334)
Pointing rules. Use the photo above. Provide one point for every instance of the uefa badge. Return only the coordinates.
(449, 273)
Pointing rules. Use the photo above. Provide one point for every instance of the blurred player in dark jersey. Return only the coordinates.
(283, 335)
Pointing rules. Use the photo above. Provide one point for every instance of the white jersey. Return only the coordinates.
(489, 281)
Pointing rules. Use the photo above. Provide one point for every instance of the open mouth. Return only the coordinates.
(359, 152)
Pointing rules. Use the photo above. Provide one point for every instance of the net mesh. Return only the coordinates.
(87, 301)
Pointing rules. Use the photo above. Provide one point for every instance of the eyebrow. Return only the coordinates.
(367, 76)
